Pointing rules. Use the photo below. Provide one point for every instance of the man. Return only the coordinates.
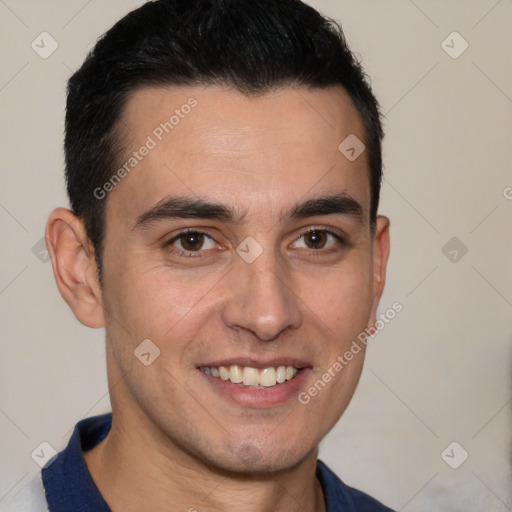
(223, 163)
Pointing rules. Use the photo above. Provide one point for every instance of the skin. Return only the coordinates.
(175, 438)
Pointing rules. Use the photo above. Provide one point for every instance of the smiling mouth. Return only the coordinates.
(258, 378)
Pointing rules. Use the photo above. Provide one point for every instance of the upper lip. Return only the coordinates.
(258, 363)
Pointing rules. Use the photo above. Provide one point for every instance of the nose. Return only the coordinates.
(261, 298)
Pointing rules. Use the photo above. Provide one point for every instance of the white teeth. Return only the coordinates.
(251, 376)
(268, 377)
(235, 374)
(223, 373)
(248, 376)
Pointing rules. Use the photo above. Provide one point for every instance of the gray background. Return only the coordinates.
(438, 373)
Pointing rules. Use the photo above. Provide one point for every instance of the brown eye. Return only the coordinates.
(192, 241)
(315, 239)
(319, 240)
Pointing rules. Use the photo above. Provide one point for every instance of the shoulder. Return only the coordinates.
(365, 503)
(341, 497)
(30, 498)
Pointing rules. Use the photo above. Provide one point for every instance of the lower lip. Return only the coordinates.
(259, 398)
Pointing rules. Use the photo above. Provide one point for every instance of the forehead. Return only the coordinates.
(265, 151)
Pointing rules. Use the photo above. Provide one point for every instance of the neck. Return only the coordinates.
(159, 474)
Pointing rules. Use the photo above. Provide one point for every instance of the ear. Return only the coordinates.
(380, 260)
(74, 267)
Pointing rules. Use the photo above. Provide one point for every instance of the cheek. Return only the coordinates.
(342, 299)
(150, 302)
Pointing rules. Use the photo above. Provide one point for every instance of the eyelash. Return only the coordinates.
(186, 254)
(197, 254)
(318, 252)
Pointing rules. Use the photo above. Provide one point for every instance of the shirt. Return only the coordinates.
(66, 485)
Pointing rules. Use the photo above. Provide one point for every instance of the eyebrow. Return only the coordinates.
(188, 208)
(335, 204)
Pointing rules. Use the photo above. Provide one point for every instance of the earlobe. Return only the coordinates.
(380, 260)
(74, 267)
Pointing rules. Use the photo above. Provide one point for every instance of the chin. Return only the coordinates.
(247, 459)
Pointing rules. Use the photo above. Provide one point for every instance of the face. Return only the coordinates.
(239, 244)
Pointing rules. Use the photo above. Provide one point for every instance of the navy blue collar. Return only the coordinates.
(67, 482)
(69, 485)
